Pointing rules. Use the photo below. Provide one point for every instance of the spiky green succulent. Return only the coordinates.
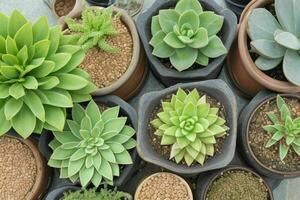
(94, 28)
(92, 194)
(277, 40)
(93, 145)
(187, 35)
(39, 75)
(285, 130)
(190, 125)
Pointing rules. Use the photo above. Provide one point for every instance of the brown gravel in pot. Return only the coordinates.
(165, 150)
(163, 186)
(63, 7)
(258, 137)
(106, 68)
(17, 169)
(238, 185)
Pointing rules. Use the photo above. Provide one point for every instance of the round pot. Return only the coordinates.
(244, 123)
(58, 193)
(102, 3)
(132, 80)
(138, 191)
(136, 11)
(43, 172)
(236, 6)
(79, 5)
(217, 89)
(204, 182)
(126, 110)
(247, 77)
(171, 76)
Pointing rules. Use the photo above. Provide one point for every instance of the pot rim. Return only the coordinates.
(130, 24)
(250, 67)
(270, 98)
(38, 187)
(236, 168)
(189, 190)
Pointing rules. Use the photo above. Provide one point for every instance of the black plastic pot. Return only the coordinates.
(125, 110)
(237, 6)
(103, 3)
(171, 76)
(58, 193)
(243, 124)
(217, 89)
(205, 181)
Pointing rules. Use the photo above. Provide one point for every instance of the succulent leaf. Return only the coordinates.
(187, 35)
(285, 132)
(93, 145)
(189, 124)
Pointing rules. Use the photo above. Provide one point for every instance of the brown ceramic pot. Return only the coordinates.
(186, 185)
(78, 6)
(132, 80)
(242, 69)
(43, 172)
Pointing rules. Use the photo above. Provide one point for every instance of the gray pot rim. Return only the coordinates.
(230, 24)
(217, 89)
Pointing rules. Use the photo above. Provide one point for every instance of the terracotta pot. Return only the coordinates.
(132, 80)
(247, 77)
(138, 190)
(218, 90)
(43, 172)
(244, 123)
(204, 183)
(78, 7)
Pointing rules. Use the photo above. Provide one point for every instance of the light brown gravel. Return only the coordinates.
(238, 185)
(106, 68)
(163, 187)
(63, 7)
(17, 168)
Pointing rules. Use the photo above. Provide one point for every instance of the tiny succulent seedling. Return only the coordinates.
(284, 130)
(92, 194)
(277, 41)
(190, 125)
(93, 145)
(94, 28)
(187, 35)
(39, 75)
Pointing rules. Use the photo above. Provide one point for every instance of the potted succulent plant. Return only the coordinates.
(181, 126)
(97, 145)
(132, 7)
(186, 40)
(39, 76)
(270, 134)
(24, 172)
(114, 59)
(233, 183)
(271, 58)
(64, 7)
(163, 185)
(76, 193)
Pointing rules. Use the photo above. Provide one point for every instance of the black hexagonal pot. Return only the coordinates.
(171, 76)
(58, 193)
(243, 124)
(125, 110)
(217, 89)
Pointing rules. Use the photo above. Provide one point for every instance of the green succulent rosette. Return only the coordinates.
(93, 145)
(187, 35)
(190, 126)
(39, 77)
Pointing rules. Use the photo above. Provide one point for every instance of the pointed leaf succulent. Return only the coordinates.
(93, 145)
(190, 125)
(187, 35)
(94, 28)
(276, 41)
(285, 130)
(39, 75)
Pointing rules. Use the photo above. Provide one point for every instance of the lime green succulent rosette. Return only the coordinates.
(187, 35)
(93, 145)
(190, 126)
(285, 131)
(39, 77)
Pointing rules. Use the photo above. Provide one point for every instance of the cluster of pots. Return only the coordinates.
(244, 74)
